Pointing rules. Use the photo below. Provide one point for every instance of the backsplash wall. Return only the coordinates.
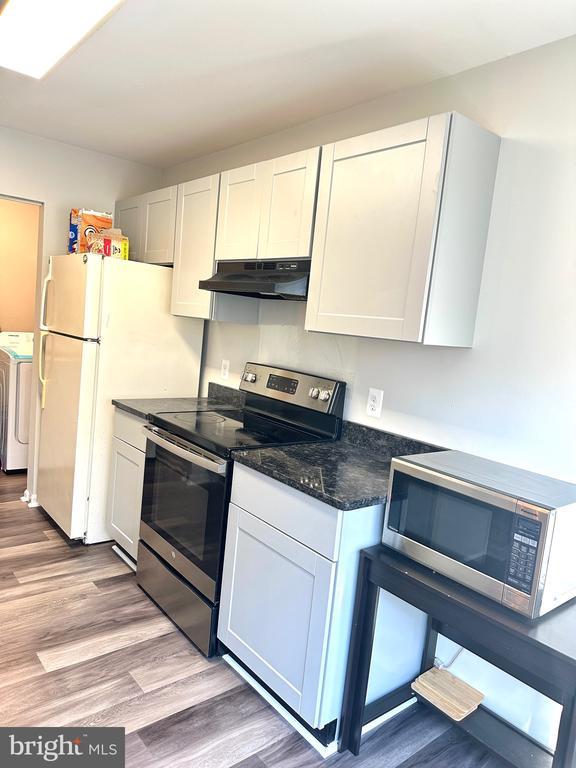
(510, 397)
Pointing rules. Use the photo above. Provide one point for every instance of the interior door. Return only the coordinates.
(277, 626)
(375, 227)
(287, 213)
(69, 370)
(128, 217)
(239, 206)
(71, 295)
(158, 226)
(194, 247)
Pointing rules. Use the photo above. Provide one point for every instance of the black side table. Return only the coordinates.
(540, 653)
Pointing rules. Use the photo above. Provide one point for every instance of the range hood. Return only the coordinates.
(262, 279)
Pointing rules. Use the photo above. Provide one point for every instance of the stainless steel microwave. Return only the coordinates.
(504, 532)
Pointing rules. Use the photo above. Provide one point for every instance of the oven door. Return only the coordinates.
(184, 508)
(458, 529)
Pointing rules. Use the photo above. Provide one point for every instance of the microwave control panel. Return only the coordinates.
(523, 553)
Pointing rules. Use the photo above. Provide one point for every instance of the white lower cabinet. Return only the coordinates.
(286, 609)
(126, 483)
(277, 609)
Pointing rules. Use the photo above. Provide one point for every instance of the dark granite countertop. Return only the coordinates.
(218, 397)
(348, 474)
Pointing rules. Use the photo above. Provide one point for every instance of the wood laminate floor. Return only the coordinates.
(82, 645)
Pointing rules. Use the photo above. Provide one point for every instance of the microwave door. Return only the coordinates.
(459, 536)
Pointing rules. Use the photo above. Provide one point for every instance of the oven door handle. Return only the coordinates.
(218, 467)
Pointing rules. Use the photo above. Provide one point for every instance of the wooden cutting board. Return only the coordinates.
(448, 693)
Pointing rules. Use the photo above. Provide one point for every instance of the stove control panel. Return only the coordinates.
(303, 389)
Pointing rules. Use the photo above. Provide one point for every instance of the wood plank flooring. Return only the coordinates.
(82, 645)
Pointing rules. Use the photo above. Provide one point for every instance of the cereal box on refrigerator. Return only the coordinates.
(83, 222)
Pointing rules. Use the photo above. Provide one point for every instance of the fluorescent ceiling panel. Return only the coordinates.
(36, 34)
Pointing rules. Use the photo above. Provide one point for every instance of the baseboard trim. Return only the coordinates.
(123, 556)
(330, 749)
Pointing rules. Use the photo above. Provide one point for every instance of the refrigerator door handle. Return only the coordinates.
(47, 279)
(41, 368)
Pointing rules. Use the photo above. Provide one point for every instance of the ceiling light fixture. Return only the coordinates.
(36, 34)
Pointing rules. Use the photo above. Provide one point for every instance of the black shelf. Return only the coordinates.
(499, 737)
(541, 654)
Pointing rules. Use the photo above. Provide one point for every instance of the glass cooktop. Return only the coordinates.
(222, 433)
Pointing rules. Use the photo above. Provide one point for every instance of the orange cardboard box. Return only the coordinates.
(84, 222)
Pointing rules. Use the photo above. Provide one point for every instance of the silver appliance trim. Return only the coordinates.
(521, 602)
(255, 378)
(185, 567)
(464, 574)
(179, 601)
(453, 484)
(186, 451)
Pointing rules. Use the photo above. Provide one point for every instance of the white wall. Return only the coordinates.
(511, 397)
(62, 177)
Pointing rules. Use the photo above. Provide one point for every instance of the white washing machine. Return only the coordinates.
(15, 391)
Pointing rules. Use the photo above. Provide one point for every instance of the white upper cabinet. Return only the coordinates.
(149, 222)
(287, 210)
(197, 210)
(401, 226)
(241, 192)
(128, 216)
(194, 246)
(266, 210)
(158, 225)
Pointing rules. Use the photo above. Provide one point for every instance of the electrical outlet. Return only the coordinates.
(374, 404)
(225, 369)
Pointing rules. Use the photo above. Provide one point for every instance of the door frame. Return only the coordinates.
(34, 435)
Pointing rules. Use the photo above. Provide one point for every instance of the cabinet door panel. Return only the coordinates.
(194, 246)
(239, 212)
(125, 494)
(288, 206)
(128, 216)
(158, 226)
(375, 228)
(277, 626)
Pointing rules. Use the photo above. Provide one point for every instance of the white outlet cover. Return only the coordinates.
(374, 403)
(225, 369)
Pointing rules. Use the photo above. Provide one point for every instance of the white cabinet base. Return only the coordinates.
(125, 494)
(286, 608)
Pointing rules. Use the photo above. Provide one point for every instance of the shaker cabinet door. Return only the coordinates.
(194, 246)
(125, 494)
(374, 235)
(275, 610)
(158, 226)
(288, 205)
(128, 217)
(239, 212)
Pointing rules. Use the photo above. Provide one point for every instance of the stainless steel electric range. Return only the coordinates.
(188, 473)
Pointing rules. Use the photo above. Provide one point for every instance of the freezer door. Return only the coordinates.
(71, 295)
(69, 368)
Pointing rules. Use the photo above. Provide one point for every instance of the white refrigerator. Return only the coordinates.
(106, 332)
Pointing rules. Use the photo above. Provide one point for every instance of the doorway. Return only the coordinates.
(19, 233)
(20, 226)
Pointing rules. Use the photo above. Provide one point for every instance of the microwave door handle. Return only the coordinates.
(218, 467)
